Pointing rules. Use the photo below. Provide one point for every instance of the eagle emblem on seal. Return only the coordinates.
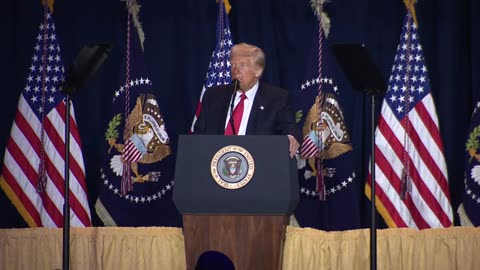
(328, 126)
(145, 140)
(232, 167)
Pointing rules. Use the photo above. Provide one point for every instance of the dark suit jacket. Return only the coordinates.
(270, 114)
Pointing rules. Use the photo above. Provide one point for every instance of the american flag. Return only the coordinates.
(36, 146)
(411, 173)
(219, 67)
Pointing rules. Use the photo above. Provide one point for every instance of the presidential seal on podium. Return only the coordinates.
(232, 167)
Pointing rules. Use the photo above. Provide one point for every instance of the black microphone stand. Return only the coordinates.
(364, 76)
(84, 66)
(232, 102)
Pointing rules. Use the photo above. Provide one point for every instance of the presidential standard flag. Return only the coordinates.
(326, 148)
(411, 173)
(219, 68)
(469, 210)
(137, 170)
(33, 169)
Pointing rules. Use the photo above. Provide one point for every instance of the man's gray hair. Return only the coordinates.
(244, 49)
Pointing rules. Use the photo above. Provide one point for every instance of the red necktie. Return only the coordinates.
(237, 116)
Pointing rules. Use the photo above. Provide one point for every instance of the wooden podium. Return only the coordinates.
(251, 242)
(247, 224)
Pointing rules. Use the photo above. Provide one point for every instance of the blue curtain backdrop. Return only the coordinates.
(180, 37)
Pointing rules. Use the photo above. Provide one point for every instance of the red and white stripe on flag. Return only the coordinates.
(21, 163)
(308, 148)
(131, 153)
(428, 203)
(408, 139)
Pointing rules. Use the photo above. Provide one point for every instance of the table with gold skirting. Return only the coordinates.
(304, 249)
(93, 248)
(402, 249)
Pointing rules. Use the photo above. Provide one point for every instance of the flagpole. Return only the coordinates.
(373, 225)
(364, 76)
(86, 63)
(66, 205)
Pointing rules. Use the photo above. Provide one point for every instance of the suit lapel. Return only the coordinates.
(252, 119)
(225, 103)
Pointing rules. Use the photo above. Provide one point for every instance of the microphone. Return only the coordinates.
(235, 84)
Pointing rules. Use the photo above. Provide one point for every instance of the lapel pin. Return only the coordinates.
(261, 108)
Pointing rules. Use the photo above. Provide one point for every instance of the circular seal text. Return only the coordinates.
(232, 167)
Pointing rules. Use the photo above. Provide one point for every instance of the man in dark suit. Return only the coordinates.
(257, 108)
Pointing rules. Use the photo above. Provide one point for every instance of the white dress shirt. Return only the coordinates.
(246, 109)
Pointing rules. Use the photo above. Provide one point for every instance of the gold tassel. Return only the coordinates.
(228, 7)
(410, 4)
(49, 4)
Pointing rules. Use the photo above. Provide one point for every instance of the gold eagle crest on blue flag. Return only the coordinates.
(326, 128)
(146, 140)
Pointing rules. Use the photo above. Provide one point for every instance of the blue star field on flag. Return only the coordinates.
(219, 68)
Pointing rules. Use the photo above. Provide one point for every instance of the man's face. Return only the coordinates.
(245, 71)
